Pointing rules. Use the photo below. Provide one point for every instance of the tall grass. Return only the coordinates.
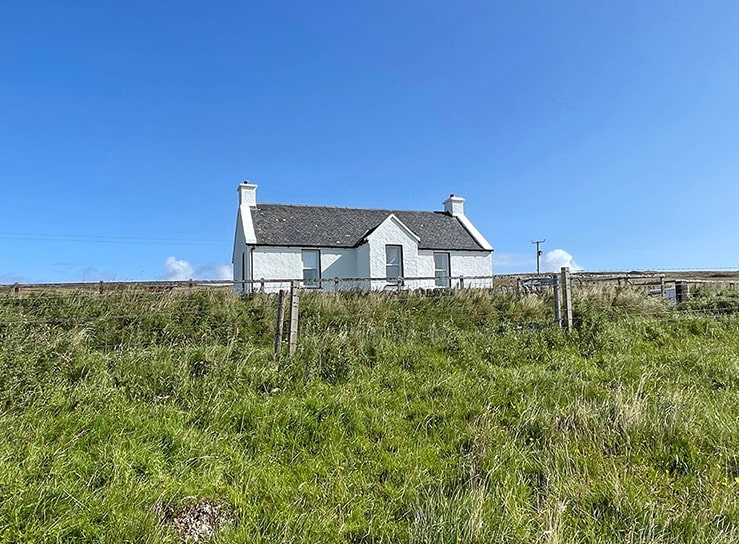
(456, 417)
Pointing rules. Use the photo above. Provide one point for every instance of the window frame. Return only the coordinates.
(392, 279)
(311, 283)
(445, 280)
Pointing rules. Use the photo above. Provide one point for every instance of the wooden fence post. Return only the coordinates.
(101, 287)
(461, 282)
(294, 302)
(17, 290)
(280, 322)
(662, 286)
(557, 302)
(567, 297)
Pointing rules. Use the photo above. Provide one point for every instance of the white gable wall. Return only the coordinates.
(240, 258)
(391, 231)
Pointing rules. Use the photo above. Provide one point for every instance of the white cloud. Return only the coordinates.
(554, 260)
(177, 270)
(181, 270)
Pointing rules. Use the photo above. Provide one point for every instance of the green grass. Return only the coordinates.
(462, 417)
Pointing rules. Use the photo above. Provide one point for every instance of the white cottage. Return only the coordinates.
(333, 248)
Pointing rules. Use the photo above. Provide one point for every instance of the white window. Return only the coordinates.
(442, 272)
(393, 263)
(311, 268)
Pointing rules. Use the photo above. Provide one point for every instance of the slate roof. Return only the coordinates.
(324, 226)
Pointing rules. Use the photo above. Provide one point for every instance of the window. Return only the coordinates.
(393, 263)
(441, 270)
(311, 268)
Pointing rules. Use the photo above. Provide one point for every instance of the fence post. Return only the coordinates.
(101, 287)
(557, 302)
(336, 284)
(518, 286)
(189, 283)
(280, 322)
(461, 282)
(294, 302)
(662, 286)
(567, 297)
(17, 289)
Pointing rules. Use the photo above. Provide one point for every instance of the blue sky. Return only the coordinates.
(610, 129)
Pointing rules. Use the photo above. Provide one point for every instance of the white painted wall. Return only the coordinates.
(462, 263)
(362, 256)
(425, 269)
(276, 263)
(339, 263)
(470, 264)
(286, 263)
(368, 260)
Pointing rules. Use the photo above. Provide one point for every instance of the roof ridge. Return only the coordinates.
(389, 210)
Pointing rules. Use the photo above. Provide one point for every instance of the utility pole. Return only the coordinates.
(538, 252)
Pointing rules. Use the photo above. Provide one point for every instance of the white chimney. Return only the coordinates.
(247, 194)
(454, 205)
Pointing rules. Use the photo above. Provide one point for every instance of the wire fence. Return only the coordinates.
(492, 303)
(670, 285)
(675, 287)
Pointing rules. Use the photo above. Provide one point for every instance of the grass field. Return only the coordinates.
(463, 417)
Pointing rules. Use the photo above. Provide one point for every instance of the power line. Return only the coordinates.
(99, 239)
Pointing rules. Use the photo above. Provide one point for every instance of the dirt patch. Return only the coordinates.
(195, 520)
